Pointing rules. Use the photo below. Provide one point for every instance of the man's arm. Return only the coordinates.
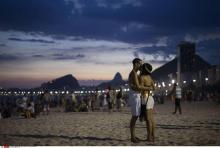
(140, 87)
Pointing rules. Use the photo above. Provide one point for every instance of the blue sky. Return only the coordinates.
(93, 39)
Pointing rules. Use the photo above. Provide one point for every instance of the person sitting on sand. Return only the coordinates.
(134, 96)
(147, 101)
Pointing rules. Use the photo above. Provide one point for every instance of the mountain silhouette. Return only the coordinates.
(63, 83)
(117, 81)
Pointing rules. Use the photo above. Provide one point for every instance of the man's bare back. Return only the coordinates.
(132, 79)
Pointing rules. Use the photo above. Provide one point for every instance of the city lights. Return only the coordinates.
(160, 85)
(163, 84)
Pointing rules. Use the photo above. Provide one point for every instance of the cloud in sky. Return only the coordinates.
(118, 4)
(69, 53)
(202, 37)
(69, 57)
(46, 39)
(8, 57)
(30, 40)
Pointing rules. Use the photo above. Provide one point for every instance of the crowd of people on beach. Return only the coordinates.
(190, 93)
(32, 105)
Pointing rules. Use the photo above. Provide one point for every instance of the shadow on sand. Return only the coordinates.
(62, 136)
(184, 127)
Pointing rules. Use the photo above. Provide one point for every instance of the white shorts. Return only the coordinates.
(150, 103)
(135, 102)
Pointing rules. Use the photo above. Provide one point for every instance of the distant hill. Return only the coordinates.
(171, 67)
(163, 71)
(115, 82)
(66, 82)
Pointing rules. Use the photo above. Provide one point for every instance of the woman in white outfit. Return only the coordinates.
(147, 101)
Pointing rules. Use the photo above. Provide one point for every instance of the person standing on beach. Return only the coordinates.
(119, 99)
(147, 101)
(46, 98)
(93, 100)
(110, 98)
(134, 96)
(176, 93)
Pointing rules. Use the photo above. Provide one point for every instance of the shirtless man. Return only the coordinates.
(134, 96)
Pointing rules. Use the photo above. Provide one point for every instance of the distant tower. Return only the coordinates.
(187, 56)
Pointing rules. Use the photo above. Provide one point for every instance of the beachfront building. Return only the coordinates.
(194, 69)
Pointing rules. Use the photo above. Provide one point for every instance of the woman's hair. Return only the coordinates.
(146, 69)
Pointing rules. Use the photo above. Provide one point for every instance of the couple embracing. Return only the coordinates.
(140, 97)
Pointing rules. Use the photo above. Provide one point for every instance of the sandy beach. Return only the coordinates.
(198, 125)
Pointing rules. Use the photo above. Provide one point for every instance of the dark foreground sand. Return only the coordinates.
(199, 125)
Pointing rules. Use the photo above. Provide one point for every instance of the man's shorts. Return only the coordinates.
(135, 102)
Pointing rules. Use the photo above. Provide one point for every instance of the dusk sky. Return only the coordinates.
(93, 39)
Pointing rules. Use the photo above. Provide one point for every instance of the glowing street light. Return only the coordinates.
(163, 84)
(173, 81)
(194, 80)
(169, 84)
(184, 82)
(206, 79)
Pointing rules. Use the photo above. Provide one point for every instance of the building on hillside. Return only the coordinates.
(193, 67)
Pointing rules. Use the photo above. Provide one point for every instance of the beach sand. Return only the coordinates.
(198, 125)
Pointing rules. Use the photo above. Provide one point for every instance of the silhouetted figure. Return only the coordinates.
(176, 91)
(110, 98)
(119, 99)
(189, 96)
(46, 98)
(93, 101)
